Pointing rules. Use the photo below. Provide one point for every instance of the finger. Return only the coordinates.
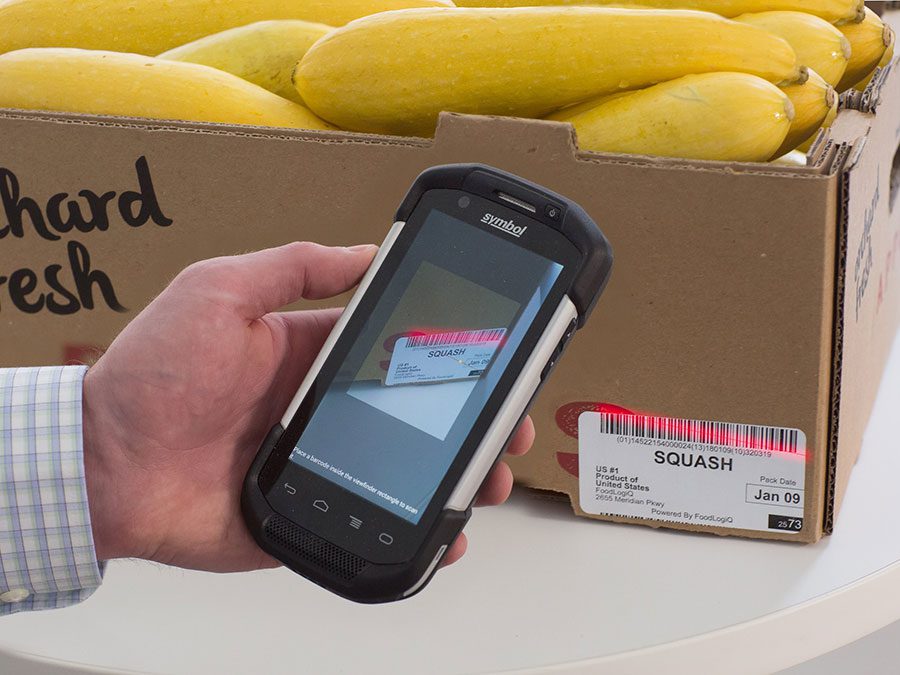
(265, 281)
(523, 439)
(496, 487)
(267, 562)
(456, 551)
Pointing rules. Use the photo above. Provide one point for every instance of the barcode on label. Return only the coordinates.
(464, 337)
(748, 436)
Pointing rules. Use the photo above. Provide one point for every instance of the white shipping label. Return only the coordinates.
(688, 471)
(443, 357)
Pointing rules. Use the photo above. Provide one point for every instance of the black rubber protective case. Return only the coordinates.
(346, 573)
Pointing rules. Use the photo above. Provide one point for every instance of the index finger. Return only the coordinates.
(523, 439)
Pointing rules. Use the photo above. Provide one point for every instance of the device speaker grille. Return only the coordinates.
(314, 549)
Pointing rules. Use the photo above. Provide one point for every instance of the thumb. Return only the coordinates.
(276, 277)
(304, 333)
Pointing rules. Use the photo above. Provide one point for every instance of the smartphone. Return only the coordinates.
(472, 298)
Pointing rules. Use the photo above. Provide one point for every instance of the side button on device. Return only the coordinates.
(546, 371)
(560, 348)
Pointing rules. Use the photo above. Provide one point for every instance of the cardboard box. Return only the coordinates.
(743, 293)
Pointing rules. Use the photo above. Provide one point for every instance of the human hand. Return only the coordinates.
(176, 409)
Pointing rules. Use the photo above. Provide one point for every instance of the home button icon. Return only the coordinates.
(385, 539)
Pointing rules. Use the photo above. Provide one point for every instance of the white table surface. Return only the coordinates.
(538, 588)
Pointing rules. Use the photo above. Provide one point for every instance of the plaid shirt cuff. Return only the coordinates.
(47, 556)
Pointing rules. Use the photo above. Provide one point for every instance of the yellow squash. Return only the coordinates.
(715, 116)
(264, 53)
(395, 72)
(111, 83)
(153, 26)
(584, 106)
(806, 145)
(869, 40)
(885, 60)
(814, 100)
(793, 158)
(833, 11)
(818, 44)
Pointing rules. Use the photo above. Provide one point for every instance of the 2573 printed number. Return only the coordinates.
(789, 523)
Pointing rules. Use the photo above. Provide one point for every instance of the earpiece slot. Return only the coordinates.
(516, 202)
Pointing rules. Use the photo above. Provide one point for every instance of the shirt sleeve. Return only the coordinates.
(47, 555)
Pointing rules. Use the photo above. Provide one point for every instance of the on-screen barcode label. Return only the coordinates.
(748, 436)
(455, 338)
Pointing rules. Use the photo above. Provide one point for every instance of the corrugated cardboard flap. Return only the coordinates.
(866, 304)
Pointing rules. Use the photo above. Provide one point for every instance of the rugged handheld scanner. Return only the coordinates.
(473, 296)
